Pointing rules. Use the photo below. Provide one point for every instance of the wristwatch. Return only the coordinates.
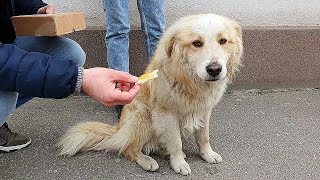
(77, 90)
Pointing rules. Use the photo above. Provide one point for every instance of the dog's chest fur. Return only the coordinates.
(198, 112)
(193, 107)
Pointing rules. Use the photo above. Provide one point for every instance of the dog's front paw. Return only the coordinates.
(179, 165)
(211, 157)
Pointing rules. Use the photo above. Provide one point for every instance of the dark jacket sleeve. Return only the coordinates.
(35, 74)
(26, 7)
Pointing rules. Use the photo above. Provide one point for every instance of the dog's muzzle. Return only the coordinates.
(214, 70)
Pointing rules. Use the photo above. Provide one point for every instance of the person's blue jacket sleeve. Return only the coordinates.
(36, 74)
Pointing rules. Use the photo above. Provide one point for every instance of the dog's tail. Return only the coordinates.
(93, 136)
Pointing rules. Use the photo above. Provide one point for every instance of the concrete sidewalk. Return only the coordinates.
(271, 134)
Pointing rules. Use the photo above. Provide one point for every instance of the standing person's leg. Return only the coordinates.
(58, 47)
(153, 24)
(117, 37)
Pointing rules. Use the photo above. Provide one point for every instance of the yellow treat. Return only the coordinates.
(145, 77)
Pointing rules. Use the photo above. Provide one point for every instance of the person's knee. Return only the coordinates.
(75, 52)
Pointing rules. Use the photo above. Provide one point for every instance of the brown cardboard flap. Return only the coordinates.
(48, 24)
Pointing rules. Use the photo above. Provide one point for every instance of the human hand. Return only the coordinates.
(109, 87)
(48, 9)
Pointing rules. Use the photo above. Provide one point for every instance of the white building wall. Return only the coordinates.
(247, 12)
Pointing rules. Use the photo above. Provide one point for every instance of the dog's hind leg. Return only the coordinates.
(168, 130)
(140, 135)
(147, 162)
(202, 139)
(133, 153)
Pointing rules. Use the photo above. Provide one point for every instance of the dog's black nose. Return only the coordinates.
(214, 69)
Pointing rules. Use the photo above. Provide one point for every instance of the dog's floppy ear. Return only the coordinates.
(235, 60)
(169, 45)
(238, 28)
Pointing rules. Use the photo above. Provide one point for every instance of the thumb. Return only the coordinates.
(123, 76)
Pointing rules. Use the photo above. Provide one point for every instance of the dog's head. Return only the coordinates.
(209, 46)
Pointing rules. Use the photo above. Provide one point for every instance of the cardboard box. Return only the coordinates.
(48, 24)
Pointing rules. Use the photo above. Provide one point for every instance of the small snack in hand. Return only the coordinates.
(145, 77)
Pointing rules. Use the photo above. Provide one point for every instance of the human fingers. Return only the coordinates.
(119, 97)
(134, 90)
(125, 86)
(126, 96)
(122, 85)
(49, 9)
(123, 76)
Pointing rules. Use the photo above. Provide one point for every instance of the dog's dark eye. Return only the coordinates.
(223, 41)
(197, 43)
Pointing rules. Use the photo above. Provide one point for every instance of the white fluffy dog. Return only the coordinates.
(196, 58)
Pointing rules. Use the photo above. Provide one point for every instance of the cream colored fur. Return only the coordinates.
(175, 105)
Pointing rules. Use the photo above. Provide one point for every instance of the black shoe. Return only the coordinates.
(10, 141)
(119, 110)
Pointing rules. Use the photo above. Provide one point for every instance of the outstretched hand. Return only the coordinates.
(109, 87)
